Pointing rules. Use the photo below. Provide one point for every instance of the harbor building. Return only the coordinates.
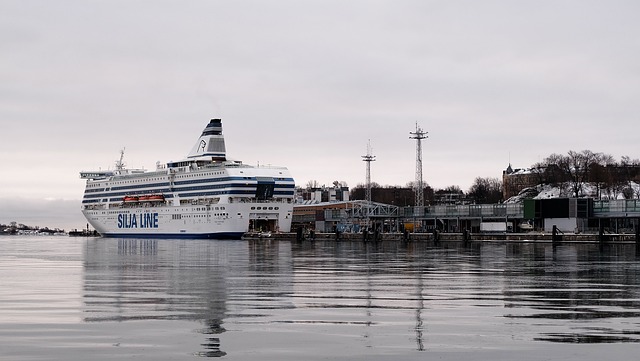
(567, 215)
(347, 217)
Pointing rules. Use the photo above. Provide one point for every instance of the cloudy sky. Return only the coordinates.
(306, 84)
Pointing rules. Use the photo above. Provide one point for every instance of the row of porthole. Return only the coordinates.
(197, 175)
(181, 216)
(264, 208)
(206, 215)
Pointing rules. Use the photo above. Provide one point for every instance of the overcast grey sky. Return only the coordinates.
(305, 84)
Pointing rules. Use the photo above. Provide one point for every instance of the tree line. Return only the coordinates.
(483, 190)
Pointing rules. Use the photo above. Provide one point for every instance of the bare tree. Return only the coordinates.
(577, 168)
(628, 171)
(554, 169)
(486, 190)
(449, 195)
(312, 184)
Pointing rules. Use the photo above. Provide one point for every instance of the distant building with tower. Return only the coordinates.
(515, 180)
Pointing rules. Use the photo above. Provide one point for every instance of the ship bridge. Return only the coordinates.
(96, 174)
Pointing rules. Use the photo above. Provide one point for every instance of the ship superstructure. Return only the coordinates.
(204, 195)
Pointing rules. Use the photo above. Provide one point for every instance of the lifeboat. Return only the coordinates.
(130, 199)
(156, 198)
(144, 198)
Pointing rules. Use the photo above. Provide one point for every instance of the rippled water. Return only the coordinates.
(77, 299)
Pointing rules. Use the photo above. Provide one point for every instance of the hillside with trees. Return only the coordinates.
(577, 170)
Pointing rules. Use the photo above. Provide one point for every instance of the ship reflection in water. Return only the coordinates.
(280, 300)
(142, 279)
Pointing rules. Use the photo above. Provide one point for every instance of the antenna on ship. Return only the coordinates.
(120, 163)
(419, 135)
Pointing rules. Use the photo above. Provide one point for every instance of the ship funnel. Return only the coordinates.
(210, 143)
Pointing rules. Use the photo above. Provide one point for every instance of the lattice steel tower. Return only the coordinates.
(368, 158)
(419, 135)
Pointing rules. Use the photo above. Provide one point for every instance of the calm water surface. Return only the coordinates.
(65, 298)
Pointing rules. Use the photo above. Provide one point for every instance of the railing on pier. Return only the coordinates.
(358, 209)
(617, 207)
(601, 209)
(467, 211)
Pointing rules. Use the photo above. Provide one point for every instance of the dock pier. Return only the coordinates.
(465, 237)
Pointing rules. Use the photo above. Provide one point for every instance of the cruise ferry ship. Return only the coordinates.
(204, 195)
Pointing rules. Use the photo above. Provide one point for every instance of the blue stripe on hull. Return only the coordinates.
(220, 235)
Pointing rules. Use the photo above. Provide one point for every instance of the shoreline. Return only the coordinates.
(455, 237)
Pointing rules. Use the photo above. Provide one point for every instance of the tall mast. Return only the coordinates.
(368, 158)
(419, 135)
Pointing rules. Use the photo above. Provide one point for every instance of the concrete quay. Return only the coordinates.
(455, 237)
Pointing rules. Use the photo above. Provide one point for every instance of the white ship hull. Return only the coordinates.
(192, 221)
(202, 196)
